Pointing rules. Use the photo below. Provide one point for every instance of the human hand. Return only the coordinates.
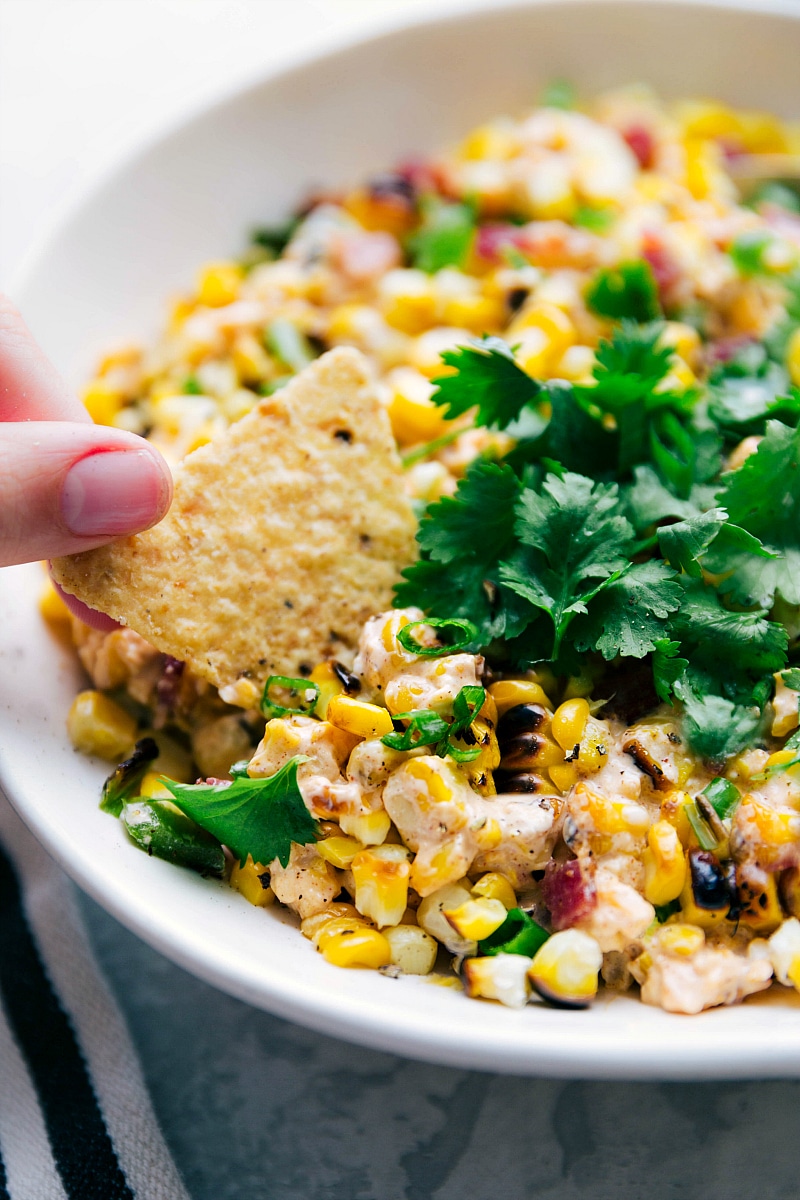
(66, 484)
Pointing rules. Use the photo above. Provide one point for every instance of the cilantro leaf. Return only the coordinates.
(715, 726)
(741, 402)
(260, 817)
(629, 616)
(763, 497)
(648, 500)
(487, 377)
(626, 291)
(574, 541)
(684, 543)
(458, 573)
(445, 235)
(667, 667)
(735, 647)
(573, 437)
(791, 678)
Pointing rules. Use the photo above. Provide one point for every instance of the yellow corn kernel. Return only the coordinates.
(564, 775)
(673, 810)
(381, 212)
(793, 357)
(683, 339)
(706, 119)
(494, 886)
(338, 851)
(776, 827)
(247, 880)
(381, 876)
(494, 140)
(575, 365)
(706, 918)
(566, 968)
(413, 950)
(784, 953)
(476, 919)
(96, 725)
(310, 927)
(702, 168)
(679, 378)
(552, 320)
(371, 829)
(500, 977)
(664, 864)
(103, 403)
(52, 607)
(680, 939)
(489, 836)
(329, 685)
(430, 916)
(480, 314)
(610, 816)
(218, 283)
(780, 758)
(508, 693)
(762, 133)
(250, 359)
(359, 717)
(534, 354)
(356, 948)
(202, 435)
(430, 875)
(764, 913)
(408, 300)
(425, 351)
(153, 787)
(569, 722)
(433, 780)
(415, 419)
(334, 925)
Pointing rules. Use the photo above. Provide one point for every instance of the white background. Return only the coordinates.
(81, 81)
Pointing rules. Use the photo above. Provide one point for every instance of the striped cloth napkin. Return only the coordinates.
(76, 1121)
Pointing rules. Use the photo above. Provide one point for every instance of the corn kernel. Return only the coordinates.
(408, 300)
(431, 918)
(413, 950)
(329, 685)
(52, 606)
(494, 140)
(762, 911)
(705, 918)
(706, 119)
(338, 851)
(575, 365)
(565, 969)
(334, 925)
(500, 977)
(508, 693)
(103, 403)
(153, 787)
(683, 339)
(564, 775)
(247, 880)
(553, 321)
(357, 948)
(569, 722)
(218, 283)
(793, 357)
(680, 939)
(425, 352)
(433, 779)
(784, 953)
(371, 829)
(415, 419)
(534, 354)
(664, 864)
(476, 919)
(480, 314)
(250, 359)
(762, 133)
(381, 878)
(673, 810)
(96, 725)
(494, 886)
(381, 211)
(358, 717)
(310, 927)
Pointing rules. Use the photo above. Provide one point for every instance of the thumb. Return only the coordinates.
(67, 486)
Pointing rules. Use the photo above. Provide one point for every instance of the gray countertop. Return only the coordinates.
(254, 1107)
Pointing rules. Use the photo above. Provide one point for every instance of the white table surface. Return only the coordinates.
(252, 1106)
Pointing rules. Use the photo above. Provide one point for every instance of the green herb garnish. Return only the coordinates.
(625, 291)
(519, 934)
(300, 695)
(289, 344)
(426, 728)
(445, 236)
(723, 796)
(454, 636)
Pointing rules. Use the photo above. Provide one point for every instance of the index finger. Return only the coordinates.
(30, 387)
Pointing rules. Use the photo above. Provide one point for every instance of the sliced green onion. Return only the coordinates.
(467, 631)
(303, 690)
(415, 456)
(288, 344)
(723, 796)
(596, 220)
(665, 911)
(519, 934)
(703, 832)
(747, 250)
(191, 386)
(424, 728)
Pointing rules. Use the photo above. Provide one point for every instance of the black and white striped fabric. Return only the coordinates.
(76, 1122)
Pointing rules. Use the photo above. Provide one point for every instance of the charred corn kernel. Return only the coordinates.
(569, 722)
(52, 606)
(486, 738)
(575, 365)
(218, 283)
(793, 357)
(761, 909)
(476, 919)
(408, 300)
(508, 693)
(565, 969)
(680, 939)
(431, 918)
(311, 926)
(415, 419)
(494, 886)
(103, 403)
(356, 948)
(371, 829)
(480, 314)
(435, 784)
(542, 753)
(500, 977)
(329, 685)
(338, 851)
(96, 725)
(359, 717)
(593, 752)
(153, 787)
(564, 775)
(673, 810)
(706, 918)
(664, 864)
(683, 339)
(784, 953)
(248, 881)
(413, 950)
(381, 877)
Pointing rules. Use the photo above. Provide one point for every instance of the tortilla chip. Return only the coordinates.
(284, 536)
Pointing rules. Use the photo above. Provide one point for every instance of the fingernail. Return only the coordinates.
(113, 492)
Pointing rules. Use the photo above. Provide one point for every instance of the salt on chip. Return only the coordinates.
(285, 534)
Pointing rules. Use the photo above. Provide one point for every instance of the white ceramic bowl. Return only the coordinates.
(104, 275)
